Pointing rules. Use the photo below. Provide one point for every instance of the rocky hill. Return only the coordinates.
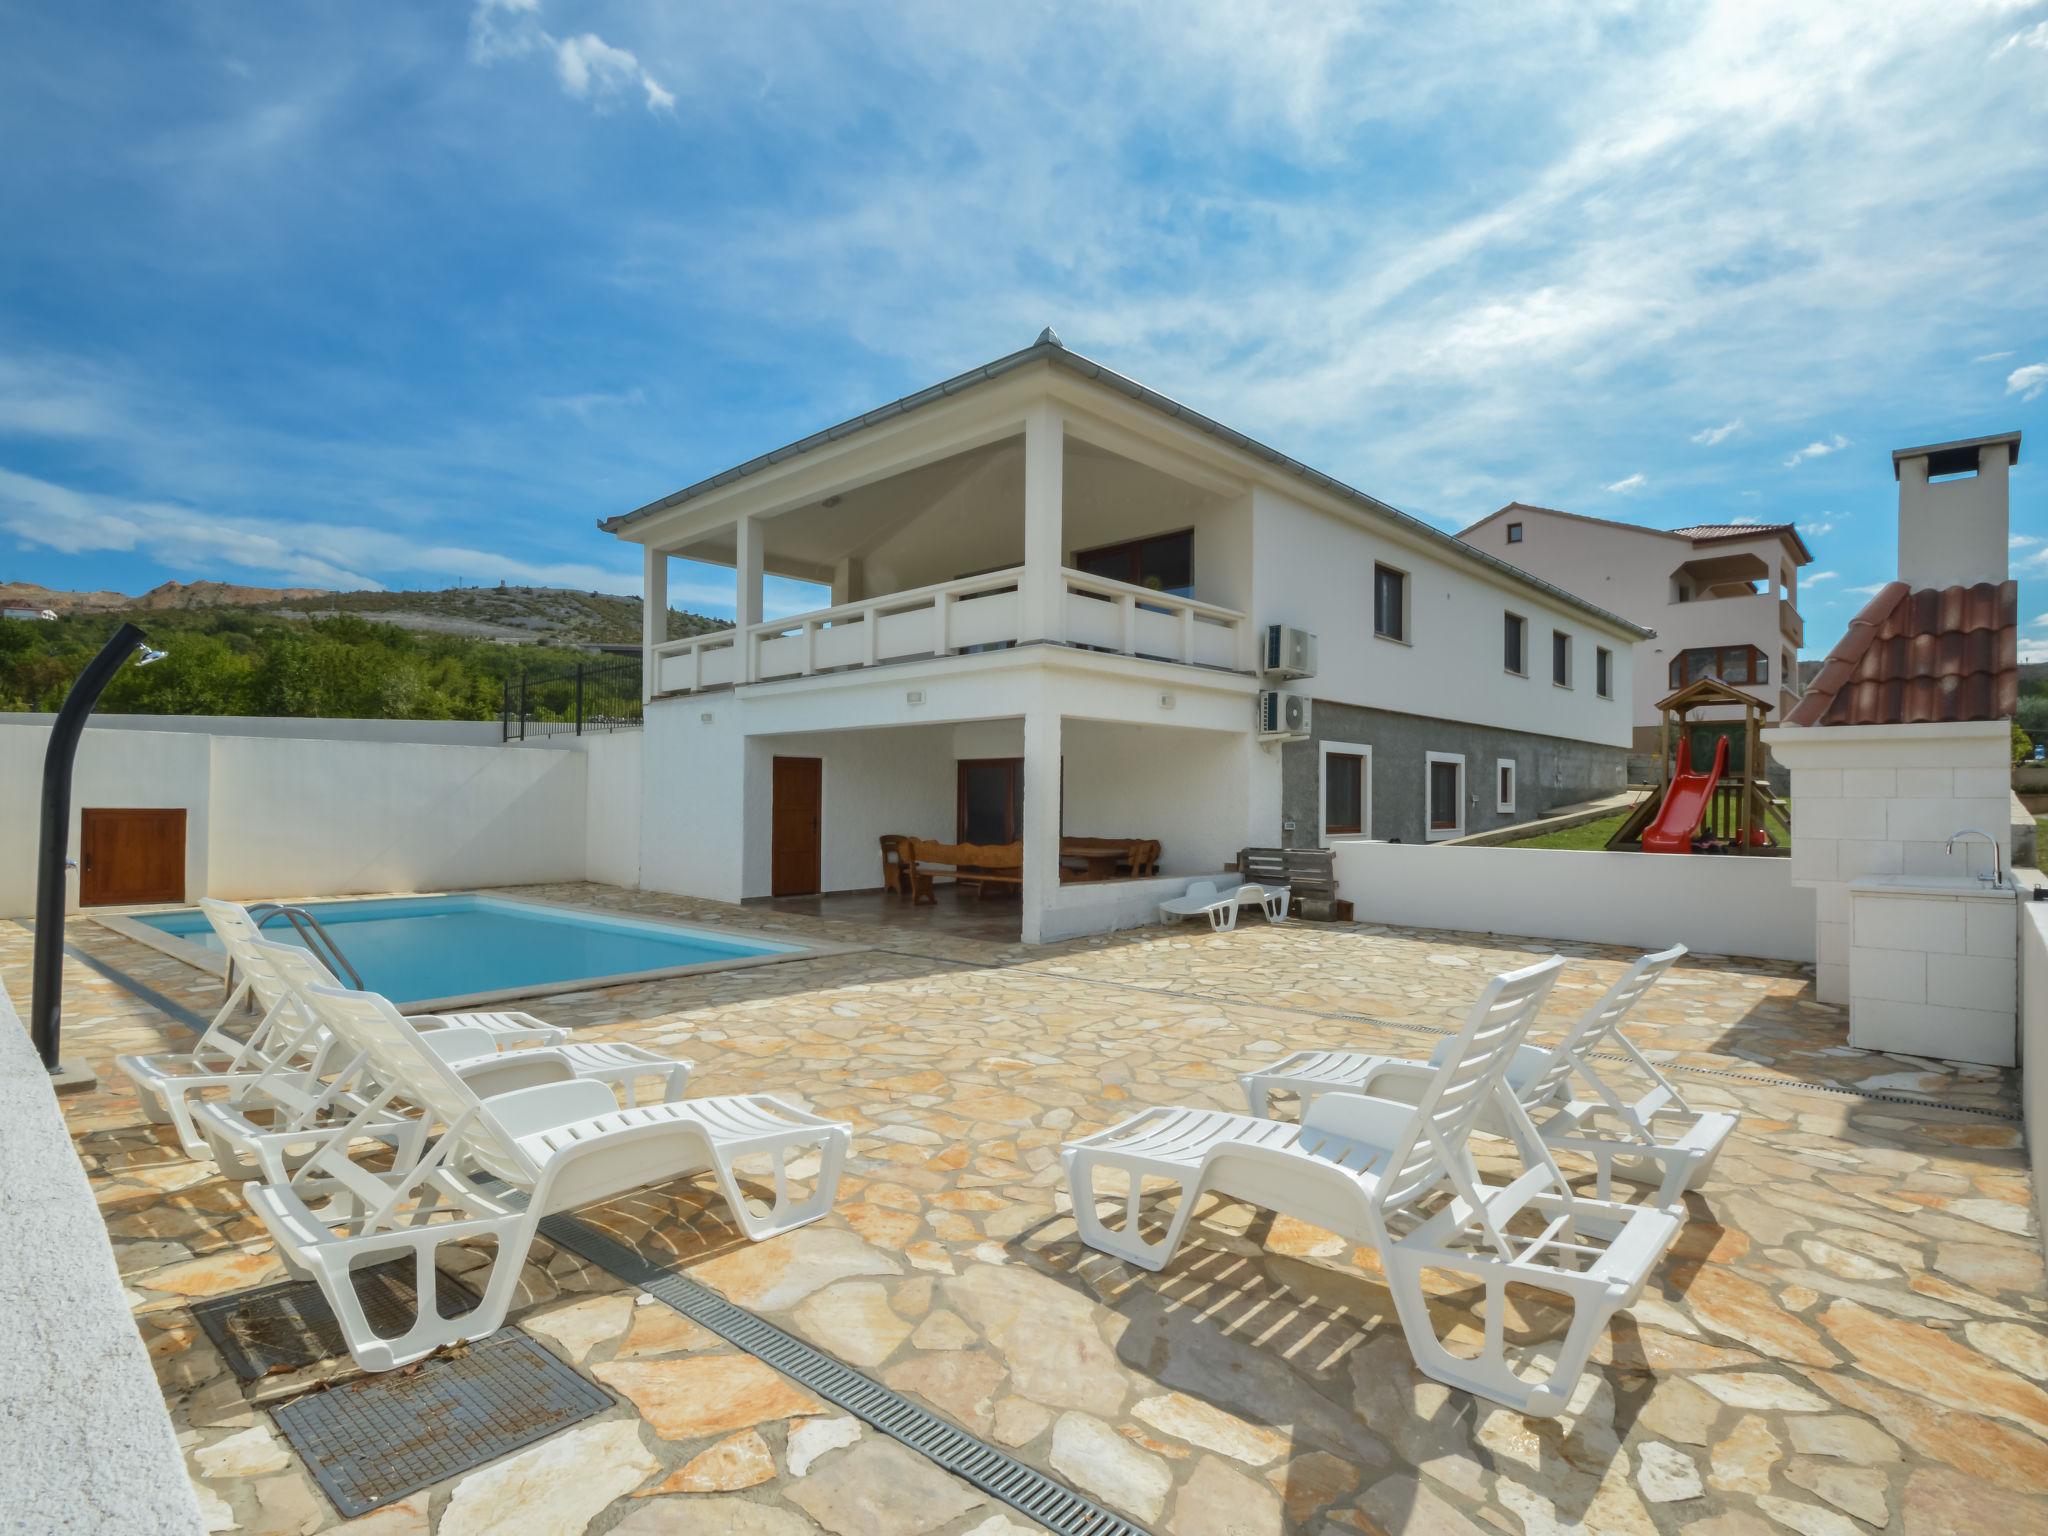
(551, 615)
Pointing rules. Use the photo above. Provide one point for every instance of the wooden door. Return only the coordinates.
(127, 857)
(797, 815)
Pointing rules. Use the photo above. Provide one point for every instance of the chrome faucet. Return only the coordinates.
(1997, 865)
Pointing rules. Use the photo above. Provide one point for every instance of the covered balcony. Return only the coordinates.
(1058, 531)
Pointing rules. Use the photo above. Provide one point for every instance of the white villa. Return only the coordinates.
(1723, 598)
(1064, 605)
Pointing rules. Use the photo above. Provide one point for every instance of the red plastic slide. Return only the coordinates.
(1685, 802)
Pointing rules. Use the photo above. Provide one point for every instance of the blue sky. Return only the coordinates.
(401, 294)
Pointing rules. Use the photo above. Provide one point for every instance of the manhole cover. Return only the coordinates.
(379, 1438)
(283, 1327)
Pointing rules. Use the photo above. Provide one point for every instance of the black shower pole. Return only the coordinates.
(47, 1004)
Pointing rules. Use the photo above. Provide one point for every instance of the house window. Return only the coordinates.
(1504, 775)
(1389, 603)
(1514, 533)
(1164, 562)
(1446, 772)
(1737, 664)
(1347, 790)
(1515, 644)
(1603, 672)
(1560, 658)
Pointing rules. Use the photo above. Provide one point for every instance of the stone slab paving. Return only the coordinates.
(1849, 1336)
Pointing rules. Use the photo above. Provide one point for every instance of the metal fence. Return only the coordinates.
(574, 700)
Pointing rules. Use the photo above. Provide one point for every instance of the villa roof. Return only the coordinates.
(1935, 656)
(1048, 348)
(1697, 533)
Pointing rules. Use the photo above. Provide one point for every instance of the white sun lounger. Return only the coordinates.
(1396, 1176)
(550, 1148)
(1202, 899)
(1657, 1139)
(281, 1039)
(263, 1122)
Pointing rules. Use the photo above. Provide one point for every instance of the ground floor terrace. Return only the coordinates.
(1851, 1334)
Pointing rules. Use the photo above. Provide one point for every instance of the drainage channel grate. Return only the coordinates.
(1024, 1488)
(381, 1437)
(284, 1327)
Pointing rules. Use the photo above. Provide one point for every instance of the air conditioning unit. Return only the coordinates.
(1283, 716)
(1288, 652)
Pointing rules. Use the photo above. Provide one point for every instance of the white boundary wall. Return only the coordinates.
(446, 733)
(296, 816)
(1716, 904)
(90, 1446)
(2034, 1047)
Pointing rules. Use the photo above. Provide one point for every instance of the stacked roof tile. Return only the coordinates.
(1928, 657)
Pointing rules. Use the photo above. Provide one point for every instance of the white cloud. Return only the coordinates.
(1870, 591)
(199, 542)
(2035, 36)
(1818, 448)
(1710, 437)
(2037, 621)
(2033, 379)
(1825, 523)
(2021, 541)
(1817, 578)
(1628, 486)
(1991, 357)
(589, 68)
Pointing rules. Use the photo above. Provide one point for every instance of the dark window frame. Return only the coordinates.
(1514, 533)
(1356, 825)
(1514, 642)
(1755, 674)
(1560, 658)
(1130, 553)
(1379, 618)
(1603, 671)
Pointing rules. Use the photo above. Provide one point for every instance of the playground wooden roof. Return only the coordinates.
(1929, 657)
(1704, 691)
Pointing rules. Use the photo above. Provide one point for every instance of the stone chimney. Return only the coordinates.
(1955, 511)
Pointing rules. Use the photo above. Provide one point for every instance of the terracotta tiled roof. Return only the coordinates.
(1913, 658)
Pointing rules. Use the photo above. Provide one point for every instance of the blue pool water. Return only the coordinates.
(413, 949)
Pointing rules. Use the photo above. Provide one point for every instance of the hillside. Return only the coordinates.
(518, 615)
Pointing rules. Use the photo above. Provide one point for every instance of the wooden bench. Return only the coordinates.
(982, 864)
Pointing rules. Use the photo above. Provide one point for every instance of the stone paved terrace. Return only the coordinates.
(1850, 1335)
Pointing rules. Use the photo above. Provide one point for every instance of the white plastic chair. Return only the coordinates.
(1396, 1176)
(281, 1041)
(1657, 1139)
(1202, 899)
(552, 1148)
(277, 1106)
(1272, 899)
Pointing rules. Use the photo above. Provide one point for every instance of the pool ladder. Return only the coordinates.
(311, 934)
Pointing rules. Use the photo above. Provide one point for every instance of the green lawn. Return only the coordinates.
(1593, 834)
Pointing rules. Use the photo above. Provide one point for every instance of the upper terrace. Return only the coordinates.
(1041, 499)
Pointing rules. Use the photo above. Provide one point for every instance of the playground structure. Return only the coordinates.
(1716, 809)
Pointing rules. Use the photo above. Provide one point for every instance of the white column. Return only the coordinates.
(746, 603)
(1042, 593)
(845, 577)
(653, 616)
(1041, 814)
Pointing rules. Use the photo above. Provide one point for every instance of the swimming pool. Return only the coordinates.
(466, 948)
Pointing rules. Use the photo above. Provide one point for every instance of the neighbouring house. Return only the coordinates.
(28, 615)
(1723, 598)
(1063, 605)
(1902, 741)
